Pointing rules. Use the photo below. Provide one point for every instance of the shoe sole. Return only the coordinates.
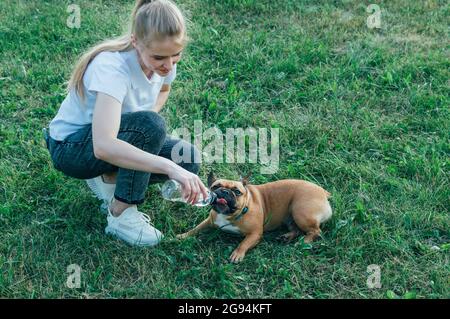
(93, 186)
(97, 190)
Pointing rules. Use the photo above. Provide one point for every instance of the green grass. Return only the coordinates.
(362, 112)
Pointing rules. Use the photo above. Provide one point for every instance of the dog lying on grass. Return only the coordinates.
(250, 210)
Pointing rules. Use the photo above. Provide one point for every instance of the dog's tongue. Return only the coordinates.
(222, 201)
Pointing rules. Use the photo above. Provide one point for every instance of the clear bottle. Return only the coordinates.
(172, 190)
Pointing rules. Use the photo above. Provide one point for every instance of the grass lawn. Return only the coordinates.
(362, 112)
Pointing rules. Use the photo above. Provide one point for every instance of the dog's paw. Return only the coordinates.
(182, 236)
(237, 256)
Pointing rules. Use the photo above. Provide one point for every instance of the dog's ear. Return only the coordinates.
(245, 180)
(211, 178)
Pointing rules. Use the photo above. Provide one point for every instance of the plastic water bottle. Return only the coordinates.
(172, 190)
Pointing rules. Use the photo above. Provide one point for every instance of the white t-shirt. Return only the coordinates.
(117, 74)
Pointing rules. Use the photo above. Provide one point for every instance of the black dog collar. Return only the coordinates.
(244, 211)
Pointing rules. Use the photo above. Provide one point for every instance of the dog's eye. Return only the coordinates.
(237, 192)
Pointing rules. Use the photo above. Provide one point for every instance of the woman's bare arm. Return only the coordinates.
(107, 147)
(162, 97)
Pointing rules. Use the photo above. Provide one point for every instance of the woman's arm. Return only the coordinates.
(107, 147)
(162, 97)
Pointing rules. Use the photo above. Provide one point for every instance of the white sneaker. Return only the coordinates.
(133, 227)
(102, 191)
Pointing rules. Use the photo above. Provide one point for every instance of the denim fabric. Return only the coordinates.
(74, 156)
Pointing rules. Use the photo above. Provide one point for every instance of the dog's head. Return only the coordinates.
(231, 195)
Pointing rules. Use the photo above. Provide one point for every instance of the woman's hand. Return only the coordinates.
(193, 187)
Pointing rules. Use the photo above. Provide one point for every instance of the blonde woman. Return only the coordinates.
(108, 130)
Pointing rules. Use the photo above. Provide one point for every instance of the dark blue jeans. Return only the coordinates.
(74, 156)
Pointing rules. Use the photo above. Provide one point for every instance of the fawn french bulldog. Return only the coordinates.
(250, 210)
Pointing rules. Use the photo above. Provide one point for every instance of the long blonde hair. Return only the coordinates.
(151, 20)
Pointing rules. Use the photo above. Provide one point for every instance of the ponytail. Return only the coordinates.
(137, 6)
(150, 20)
